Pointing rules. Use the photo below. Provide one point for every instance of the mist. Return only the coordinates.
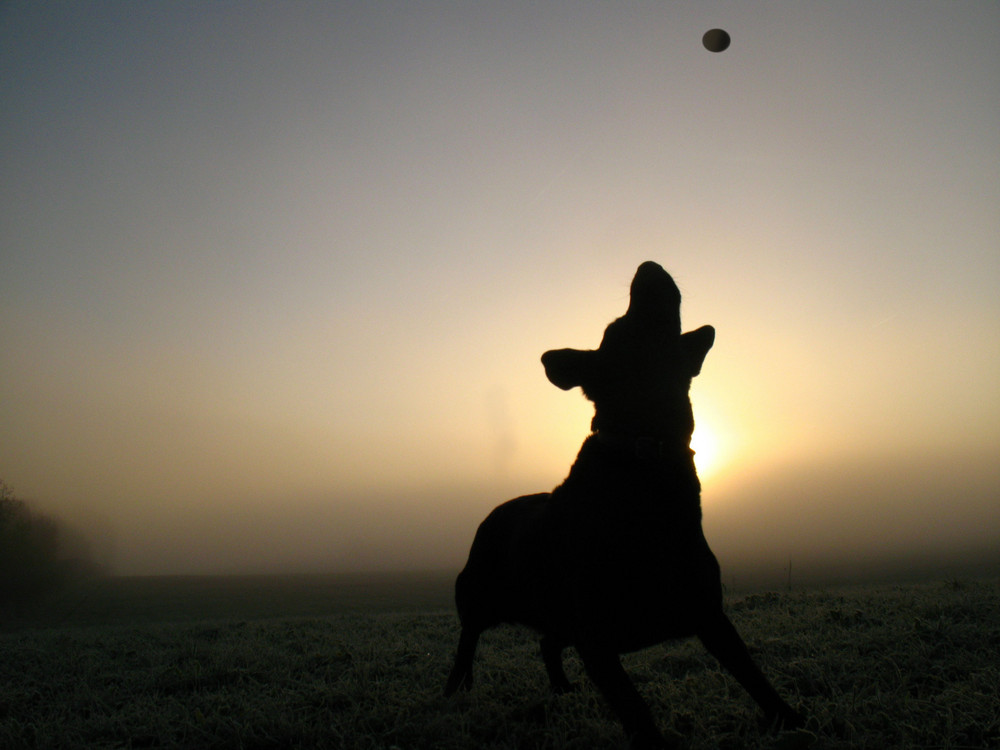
(275, 280)
(850, 519)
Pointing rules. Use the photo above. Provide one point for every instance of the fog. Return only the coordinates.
(856, 519)
(275, 278)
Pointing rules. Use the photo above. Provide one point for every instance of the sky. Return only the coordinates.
(275, 278)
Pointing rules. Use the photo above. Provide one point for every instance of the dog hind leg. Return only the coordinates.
(461, 673)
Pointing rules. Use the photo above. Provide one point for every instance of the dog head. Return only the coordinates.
(640, 376)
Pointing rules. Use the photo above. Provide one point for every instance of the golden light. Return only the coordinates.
(706, 450)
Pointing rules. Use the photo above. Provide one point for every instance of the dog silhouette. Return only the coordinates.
(614, 559)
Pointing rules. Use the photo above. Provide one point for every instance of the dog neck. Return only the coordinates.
(642, 447)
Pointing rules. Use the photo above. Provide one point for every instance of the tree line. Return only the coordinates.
(39, 554)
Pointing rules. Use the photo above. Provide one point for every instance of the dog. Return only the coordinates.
(614, 559)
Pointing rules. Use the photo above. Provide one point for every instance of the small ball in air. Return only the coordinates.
(716, 40)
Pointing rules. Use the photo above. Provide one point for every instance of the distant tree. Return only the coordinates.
(38, 554)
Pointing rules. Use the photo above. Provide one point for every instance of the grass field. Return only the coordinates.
(359, 662)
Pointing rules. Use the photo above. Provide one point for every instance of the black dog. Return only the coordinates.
(614, 559)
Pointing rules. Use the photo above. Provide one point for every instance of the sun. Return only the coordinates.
(706, 450)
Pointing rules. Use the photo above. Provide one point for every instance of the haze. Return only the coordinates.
(275, 278)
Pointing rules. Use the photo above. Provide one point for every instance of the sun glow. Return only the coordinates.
(706, 450)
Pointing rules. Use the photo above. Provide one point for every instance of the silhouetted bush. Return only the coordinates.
(38, 554)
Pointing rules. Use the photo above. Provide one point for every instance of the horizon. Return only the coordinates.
(901, 569)
(275, 280)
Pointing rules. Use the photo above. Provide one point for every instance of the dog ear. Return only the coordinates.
(696, 345)
(567, 368)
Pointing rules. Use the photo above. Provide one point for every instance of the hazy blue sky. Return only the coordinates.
(275, 278)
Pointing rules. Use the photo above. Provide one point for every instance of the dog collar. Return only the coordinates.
(643, 448)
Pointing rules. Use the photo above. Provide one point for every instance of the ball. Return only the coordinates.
(716, 40)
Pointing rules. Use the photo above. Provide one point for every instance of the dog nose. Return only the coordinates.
(650, 270)
(650, 267)
(655, 294)
(650, 278)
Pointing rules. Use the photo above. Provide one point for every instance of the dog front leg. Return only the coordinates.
(605, 669)
(725, 644)
(552, 649)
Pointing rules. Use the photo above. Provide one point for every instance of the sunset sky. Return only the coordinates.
(275, 278)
